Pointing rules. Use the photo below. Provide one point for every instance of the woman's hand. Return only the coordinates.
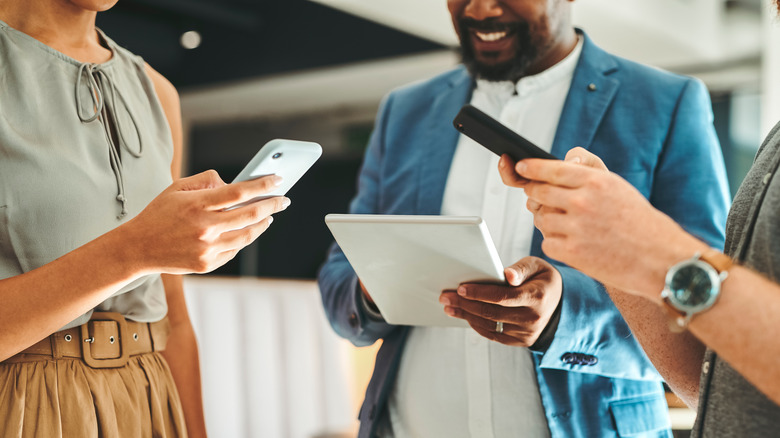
(187, 229)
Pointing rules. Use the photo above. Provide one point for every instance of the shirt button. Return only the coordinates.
(705, 367)
(767, 177)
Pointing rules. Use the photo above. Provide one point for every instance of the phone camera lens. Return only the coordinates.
(276, 155)
(460, 127)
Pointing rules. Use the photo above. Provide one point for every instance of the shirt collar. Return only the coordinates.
(527, 85)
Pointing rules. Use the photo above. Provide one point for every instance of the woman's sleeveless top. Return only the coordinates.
(83, 149)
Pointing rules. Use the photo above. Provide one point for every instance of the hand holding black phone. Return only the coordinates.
(496, 137)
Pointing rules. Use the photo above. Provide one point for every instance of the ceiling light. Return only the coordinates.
(190, 39)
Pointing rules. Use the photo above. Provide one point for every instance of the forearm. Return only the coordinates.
(344, 305)
(677, 356)
(181, 353)
(740, 328)
(40, 302)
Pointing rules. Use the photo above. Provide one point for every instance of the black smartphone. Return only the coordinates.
(496, 137)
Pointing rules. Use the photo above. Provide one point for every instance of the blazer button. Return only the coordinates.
(353, 320)
(579, 359)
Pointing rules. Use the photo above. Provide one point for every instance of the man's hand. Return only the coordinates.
(597, 222)
(578, 155)
(524, 305)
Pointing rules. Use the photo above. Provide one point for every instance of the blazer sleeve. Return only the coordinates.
(342, 298)
(689, 184)
(591, 328)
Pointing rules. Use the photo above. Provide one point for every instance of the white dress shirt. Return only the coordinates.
(452, 382)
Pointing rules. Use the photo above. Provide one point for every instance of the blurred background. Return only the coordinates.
(249, 71)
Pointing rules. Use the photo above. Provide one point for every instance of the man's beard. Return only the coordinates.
(511, 70)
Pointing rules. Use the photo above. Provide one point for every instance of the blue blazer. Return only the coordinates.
(651, 127)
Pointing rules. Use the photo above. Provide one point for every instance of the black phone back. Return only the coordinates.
(496, 137)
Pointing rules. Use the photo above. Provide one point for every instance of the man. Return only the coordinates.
(564, 364)
(712, 331)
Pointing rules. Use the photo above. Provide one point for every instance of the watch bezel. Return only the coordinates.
(712, 274)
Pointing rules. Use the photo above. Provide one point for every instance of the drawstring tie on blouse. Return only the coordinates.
(96, 82)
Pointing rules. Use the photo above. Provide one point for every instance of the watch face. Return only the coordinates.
(692, 286)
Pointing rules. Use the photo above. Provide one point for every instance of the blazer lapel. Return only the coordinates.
(592, 90)
(438, 147)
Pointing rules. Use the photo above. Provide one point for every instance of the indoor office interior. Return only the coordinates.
(249, 71)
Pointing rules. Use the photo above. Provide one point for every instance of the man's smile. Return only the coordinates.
(491, 37)
(493, 45)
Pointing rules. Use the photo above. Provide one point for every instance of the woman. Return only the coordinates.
(89, 136)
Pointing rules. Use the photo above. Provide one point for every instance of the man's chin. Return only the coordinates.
(495, 72)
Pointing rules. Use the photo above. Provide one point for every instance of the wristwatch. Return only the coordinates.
(692, 286)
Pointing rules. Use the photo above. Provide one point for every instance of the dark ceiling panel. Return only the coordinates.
(249, 38)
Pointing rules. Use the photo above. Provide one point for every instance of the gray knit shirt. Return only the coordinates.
(729, 406)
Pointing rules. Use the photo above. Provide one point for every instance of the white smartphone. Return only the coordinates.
(289, 159)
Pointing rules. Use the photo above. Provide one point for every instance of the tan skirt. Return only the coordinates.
(66, 398)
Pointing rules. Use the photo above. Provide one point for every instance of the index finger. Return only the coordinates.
(504, 295)
(506, 168)
(558, 173)
(236, 193)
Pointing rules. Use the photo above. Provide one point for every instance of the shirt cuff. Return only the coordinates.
(548, 334)
(369, 308)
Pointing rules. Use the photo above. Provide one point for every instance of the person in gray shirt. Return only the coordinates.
(705, 318)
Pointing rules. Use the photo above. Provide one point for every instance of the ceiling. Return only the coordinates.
(667, 33)
(261, 58)
(244, 39)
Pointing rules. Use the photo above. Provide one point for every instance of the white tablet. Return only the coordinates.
(405, 262)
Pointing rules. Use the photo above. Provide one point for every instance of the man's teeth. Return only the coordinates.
(492, 36)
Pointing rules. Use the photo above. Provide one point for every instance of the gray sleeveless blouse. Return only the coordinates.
(83, 148)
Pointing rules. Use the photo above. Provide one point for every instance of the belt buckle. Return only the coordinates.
(86, 346)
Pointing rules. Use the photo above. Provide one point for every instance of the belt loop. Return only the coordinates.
(151, 335)
(55, 346)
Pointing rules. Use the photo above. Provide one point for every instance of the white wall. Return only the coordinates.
(271, 365)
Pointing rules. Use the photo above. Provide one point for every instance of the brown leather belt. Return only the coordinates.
(107, 340)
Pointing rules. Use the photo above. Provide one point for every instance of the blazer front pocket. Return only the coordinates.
(641, 417)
